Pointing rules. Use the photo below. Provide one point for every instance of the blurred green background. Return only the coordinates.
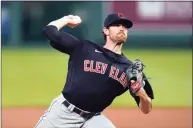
(34, 76)
(33, 73)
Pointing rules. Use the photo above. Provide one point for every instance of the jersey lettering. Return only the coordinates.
(114, 73)
(86, 68)
(99, 67)
(91, 66)
(104, 67)
(123, 79)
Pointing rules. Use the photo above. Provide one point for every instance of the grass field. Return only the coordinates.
(33, 77)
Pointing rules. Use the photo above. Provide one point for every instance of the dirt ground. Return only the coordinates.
(122, 118)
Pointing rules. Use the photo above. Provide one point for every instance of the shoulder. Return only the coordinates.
(90, 43)
(126, 60)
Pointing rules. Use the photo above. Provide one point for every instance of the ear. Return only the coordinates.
(106, 31)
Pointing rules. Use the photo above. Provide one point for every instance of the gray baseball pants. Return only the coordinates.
(59, 116)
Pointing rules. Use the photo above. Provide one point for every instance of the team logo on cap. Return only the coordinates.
(120, 15)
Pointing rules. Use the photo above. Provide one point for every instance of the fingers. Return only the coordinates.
(73, 21)
(70, 16)
(132, 81)
(75, 17)
(72, 25)
(78, 19)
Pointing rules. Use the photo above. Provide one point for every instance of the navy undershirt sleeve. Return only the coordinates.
(62, 41)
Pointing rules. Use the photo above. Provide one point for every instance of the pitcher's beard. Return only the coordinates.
(119, 43)
(120, 40)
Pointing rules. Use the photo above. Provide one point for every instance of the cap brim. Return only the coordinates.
(125, 22)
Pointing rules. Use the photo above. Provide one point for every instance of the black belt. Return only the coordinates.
(80, 112)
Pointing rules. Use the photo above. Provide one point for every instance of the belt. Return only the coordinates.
(86, 115)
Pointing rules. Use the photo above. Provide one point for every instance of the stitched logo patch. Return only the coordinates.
(120, 15)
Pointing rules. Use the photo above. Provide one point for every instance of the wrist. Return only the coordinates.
(65, 19)
(60, 23)
(141, 92)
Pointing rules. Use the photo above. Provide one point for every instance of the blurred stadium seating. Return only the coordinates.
(156, 24)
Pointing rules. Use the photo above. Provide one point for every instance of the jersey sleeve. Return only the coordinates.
(61, 41)
(148, 88)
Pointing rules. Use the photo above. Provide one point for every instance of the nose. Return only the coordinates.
(121, 27)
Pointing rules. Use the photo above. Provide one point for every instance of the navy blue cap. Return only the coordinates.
(117, 18)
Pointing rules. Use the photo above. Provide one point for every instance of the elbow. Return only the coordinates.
(51, 33)
(50, 29)
(46, 30)
(146, 111)
(146, 107)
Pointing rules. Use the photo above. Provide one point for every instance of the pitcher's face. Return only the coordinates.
(117, 33)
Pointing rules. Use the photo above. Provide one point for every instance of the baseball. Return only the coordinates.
(74, 21)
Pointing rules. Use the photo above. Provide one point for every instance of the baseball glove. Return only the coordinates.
(135, 76)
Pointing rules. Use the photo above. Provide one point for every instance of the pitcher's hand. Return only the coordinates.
(73, 21)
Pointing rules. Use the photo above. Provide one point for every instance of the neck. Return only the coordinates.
(114, 47)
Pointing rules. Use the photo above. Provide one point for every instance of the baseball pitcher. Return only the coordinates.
(96, 75)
